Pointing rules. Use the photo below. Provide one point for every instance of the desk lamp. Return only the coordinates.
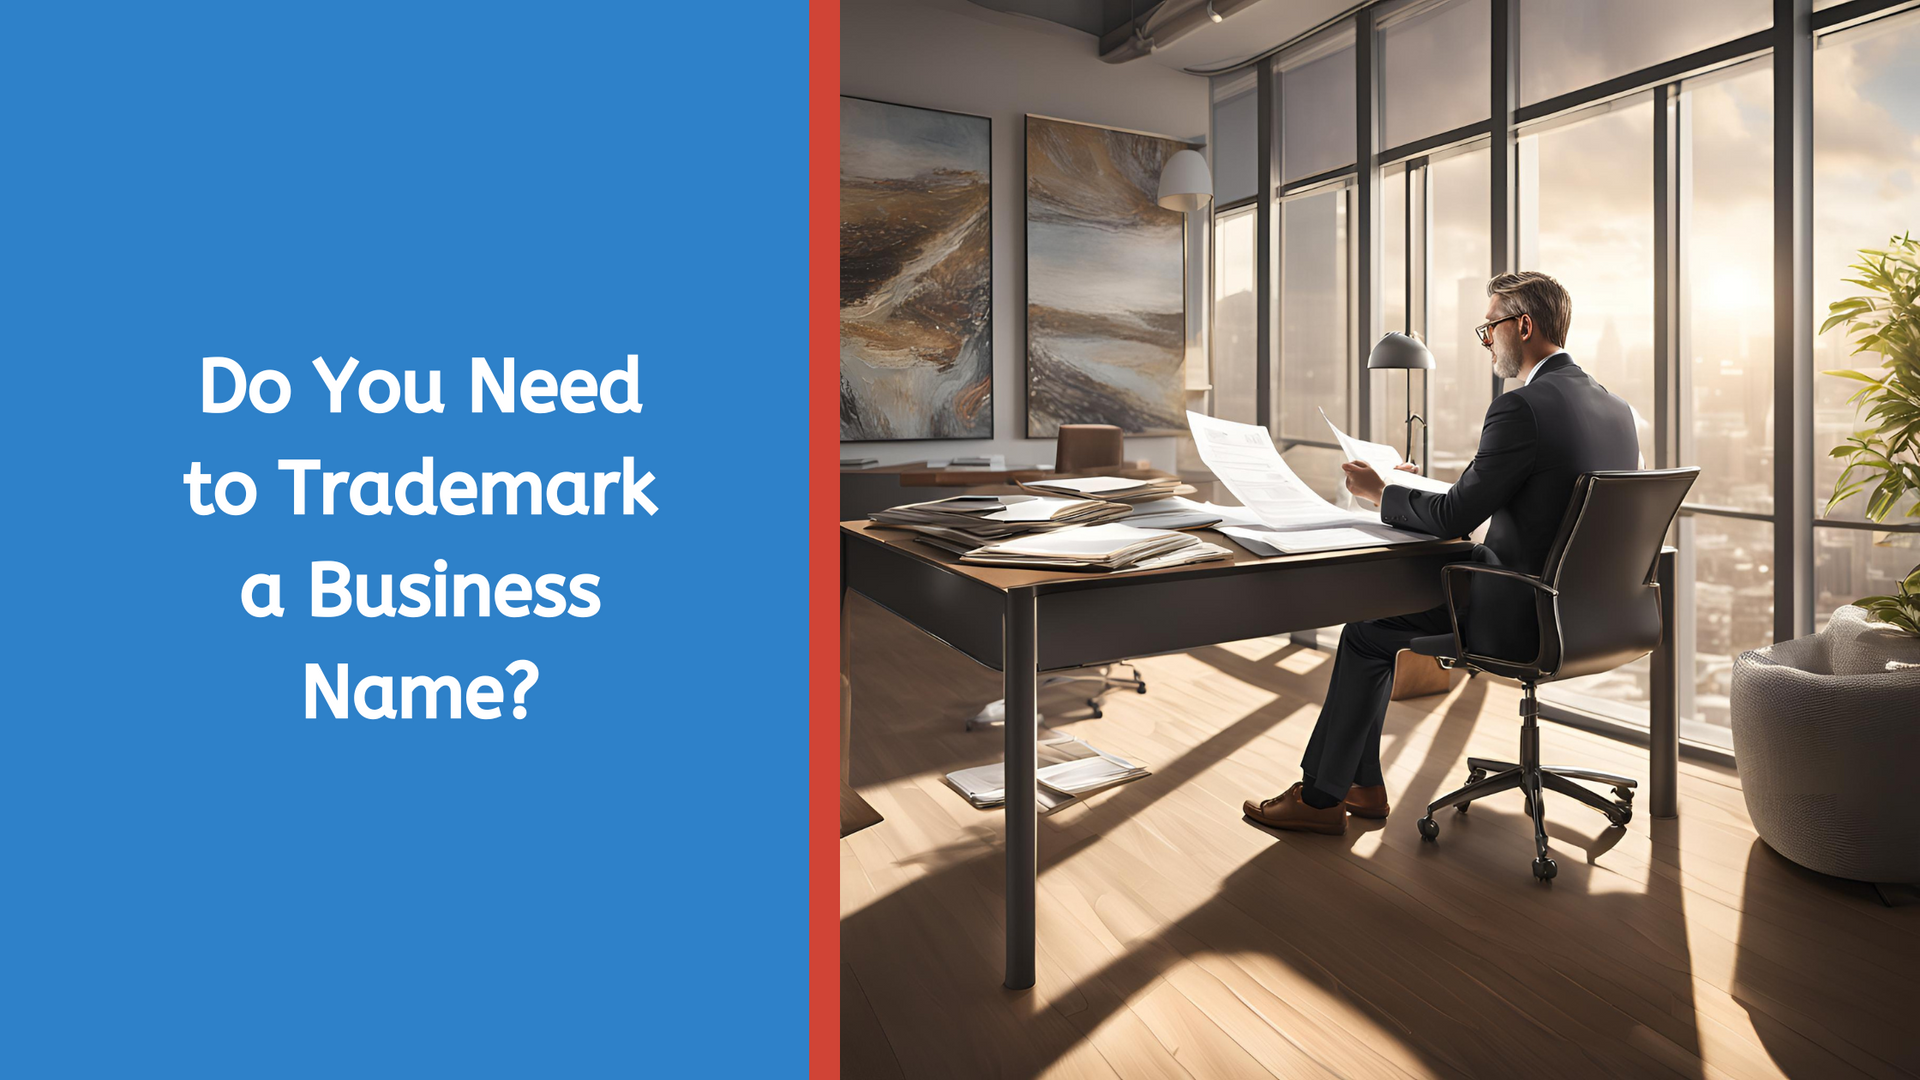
(1406, 353)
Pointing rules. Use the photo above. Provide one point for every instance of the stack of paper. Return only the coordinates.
(1385, 460)
(1110, 488)
(1176, 513)
(1243, 457)
(965, 522)
(1099, 547)
(1068, 768)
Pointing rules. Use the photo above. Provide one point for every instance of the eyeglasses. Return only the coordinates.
(1485, 330)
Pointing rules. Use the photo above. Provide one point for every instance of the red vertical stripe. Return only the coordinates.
(823, 261)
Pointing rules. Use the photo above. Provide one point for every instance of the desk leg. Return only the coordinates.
(1022, 760)
(855, 812)
(1663, 712)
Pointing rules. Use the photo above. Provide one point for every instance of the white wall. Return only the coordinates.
(954, 55)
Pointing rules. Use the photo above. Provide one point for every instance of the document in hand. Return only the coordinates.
(1243, 457)
(1385, 461)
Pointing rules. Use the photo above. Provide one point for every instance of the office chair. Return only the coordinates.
(1081, 448)
(1597, 607)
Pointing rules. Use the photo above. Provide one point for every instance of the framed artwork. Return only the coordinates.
(916, 273)
(1106, 281)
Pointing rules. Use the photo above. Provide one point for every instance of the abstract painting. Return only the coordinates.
(1106, 281)
(916, 273)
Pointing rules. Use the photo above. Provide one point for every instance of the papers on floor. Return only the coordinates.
(1110, 547)
(1110, 488)
(1385, 460)
(1069, 768)
(858, 462)
(965, 522)
(1243, 457)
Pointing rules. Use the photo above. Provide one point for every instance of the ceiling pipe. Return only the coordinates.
(1285, 45)
(1168, 22)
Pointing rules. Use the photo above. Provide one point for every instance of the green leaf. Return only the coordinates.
(1851, 373)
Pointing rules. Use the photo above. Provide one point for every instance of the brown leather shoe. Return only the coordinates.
(1288, 811)
(1367, 802)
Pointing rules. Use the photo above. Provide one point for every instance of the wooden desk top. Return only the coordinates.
(1004, 578)
(920, 474)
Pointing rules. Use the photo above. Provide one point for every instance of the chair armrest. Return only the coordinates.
(1453, 611)
(1499, 571)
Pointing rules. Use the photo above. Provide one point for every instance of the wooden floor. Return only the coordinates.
(1177, 939)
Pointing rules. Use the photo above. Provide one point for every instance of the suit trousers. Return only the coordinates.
(1345, 747)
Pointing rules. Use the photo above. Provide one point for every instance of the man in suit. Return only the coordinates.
(1538, 438)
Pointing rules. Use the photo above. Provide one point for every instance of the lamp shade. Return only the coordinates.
(1400, 351)
(1185, 182)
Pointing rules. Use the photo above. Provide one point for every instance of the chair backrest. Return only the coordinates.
(1602, 562)
(1089, 447)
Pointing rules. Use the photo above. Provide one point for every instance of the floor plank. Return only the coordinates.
(1179, 940)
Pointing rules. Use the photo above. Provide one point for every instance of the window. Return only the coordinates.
(1729, 313)
(1236, 126)
(1235, 355)
(1565, 45)
(1316, 115)
(1586, 197)
(1433, 70)
(1582, 201)
(1396, 239)
(1314, 345)
(1866, 188)
(1727, 319)
(1462, 256)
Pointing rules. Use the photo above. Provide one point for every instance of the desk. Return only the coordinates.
(1023, 622)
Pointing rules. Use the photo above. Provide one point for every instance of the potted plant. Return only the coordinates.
(1883, 459)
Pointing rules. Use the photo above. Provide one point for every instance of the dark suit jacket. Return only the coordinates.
(1537, 440)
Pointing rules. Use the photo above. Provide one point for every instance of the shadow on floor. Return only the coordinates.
(1815, 956)
(1441, 958)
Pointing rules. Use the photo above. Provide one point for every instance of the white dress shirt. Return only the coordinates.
(1535, 369)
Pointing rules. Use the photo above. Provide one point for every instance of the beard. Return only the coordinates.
(1506, 364)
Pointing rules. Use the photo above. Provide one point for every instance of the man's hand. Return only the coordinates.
(1363, 481)
(1408, 466)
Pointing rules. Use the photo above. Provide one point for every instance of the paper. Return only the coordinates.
(1385, 461)
(1067, 767)
(1094, 486)
(1267, 543)
(1242, 456)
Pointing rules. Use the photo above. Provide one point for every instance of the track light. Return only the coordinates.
(1212, 14)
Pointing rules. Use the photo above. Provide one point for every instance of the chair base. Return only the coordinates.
(1486, 776)
(994, 713)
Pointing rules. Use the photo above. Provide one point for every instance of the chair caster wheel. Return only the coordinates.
(1624, 794)
(1141, 689)
(1625, 815)
(1474, 776)
(1544, 868)
(1462, 808)
(1095, 706)
(1429, 828)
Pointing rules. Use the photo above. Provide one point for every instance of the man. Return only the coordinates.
(1536, 442)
